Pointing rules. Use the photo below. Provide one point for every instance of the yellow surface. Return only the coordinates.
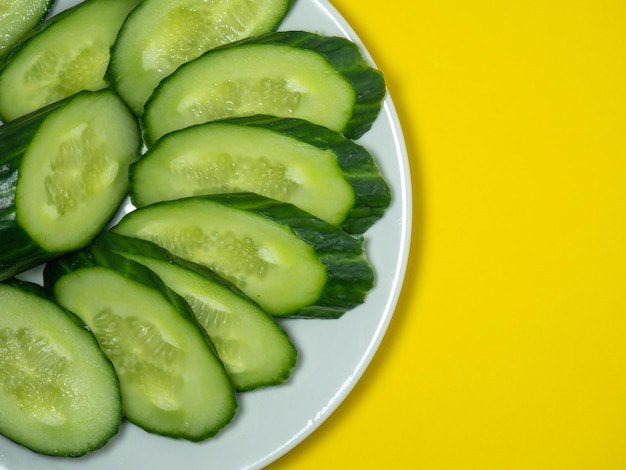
(508, 347)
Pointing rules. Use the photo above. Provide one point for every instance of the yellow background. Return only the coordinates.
(508, 346)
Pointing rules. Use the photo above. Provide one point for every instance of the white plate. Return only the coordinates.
(333, 354)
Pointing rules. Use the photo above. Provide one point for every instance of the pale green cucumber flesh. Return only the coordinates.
(74, 173)
(17, 18)
(160, 35)
(166, 368)
(250, 79)
(349, 274)
(59, 394)
(255, 351)
(69, 53)
(264, 259)
(217, 158)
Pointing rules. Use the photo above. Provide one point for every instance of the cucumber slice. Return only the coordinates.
(255, 351)
(172, 382)
(160, 35)
(289, 262)
(59, 394)
(63, 174)
(289, 160)
(324, 80)
(17, 18)
(66, 54)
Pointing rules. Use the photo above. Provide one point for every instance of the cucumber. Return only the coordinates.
(17, 18)
(160, 35)
(324, 80)
(255, 351)
(59, 394)
(63, 174)
(65, 54)
(172, 382)
(289, 262)
(287, 159)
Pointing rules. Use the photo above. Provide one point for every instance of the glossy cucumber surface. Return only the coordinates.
(171, 380)
(324, 80)
(289, 262)
(160, 35)
(59, 394)
(254, 349)
(63, 175)
(287, 159)
(64, 55)
(18, 18)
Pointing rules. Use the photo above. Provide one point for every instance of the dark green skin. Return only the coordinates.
(121, 244)
(40, 292)
(92, 256)
(95, 256)
(30, 288)
(40, 28)
(350, 275)
(44, 294)
(345, 57)
(113, 78)
(342, 54)
(371, 191)
(124, 245)
(18, 251)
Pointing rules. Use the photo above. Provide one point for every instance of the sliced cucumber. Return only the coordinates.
(289, 160)
(255, 351)
(17, 18)
(172, 382)
(289, 262)
(63, 174)
(160, 35)
(59, 394)
(324, 80)
(66, 54)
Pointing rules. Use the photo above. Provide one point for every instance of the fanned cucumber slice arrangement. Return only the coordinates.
(63, 175)
(18, 18)
(324, 80)
(172, 382)
(255, 351)
(287, 159)
(59, 394)
(160, 35)
(289, 262)
(249, 203)
(66, 54)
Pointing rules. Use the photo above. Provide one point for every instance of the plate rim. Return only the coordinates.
(403, 196)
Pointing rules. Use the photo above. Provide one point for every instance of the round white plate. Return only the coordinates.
(333, 354)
